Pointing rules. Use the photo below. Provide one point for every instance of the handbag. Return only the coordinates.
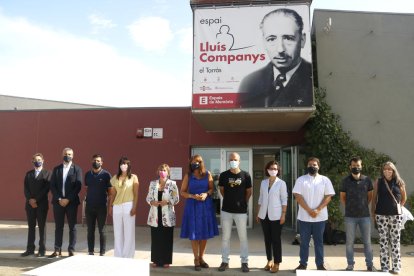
(399, 211)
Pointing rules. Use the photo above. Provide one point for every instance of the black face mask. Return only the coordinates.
(37, 164)
(96, 165)
(356, 170)
(195, 166)
(312, 170)
(67, 159)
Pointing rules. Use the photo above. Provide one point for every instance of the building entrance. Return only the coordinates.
(254, 161)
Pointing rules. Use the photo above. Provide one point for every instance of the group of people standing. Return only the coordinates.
(114, 195)
(118, 195)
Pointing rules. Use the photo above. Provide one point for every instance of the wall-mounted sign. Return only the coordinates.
(147, 132)
(252, 57)
(157, 133)
(176, 173)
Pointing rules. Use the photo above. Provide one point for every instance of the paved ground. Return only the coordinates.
(14, 233)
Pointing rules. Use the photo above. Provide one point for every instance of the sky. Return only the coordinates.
(120, 53)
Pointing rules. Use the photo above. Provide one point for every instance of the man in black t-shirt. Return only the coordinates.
(236, 188)
(98, 185)
(356, 195)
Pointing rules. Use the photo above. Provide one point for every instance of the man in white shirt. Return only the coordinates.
(313, 192)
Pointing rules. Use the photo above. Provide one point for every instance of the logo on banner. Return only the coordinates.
(203, 100)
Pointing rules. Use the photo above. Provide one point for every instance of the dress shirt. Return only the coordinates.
(37, 171)
(66, 168)
(313, 190)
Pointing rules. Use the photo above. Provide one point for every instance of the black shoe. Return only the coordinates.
(40, 254)
(371, 268)
(223, 266)
(102, 254)
(203, 264)
(245, 267)
(91, 253)
(55, 254)
(301, 267)
(321, 267)
(71, 254)
(26, 253)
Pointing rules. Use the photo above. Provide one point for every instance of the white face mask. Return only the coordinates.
(234, 164)
(124, 167)
(272, 172)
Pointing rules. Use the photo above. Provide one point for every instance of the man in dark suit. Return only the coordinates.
(65, 185)
(287, 80)
(36, 189)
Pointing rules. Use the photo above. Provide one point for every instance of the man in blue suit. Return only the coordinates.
(286, 81)
(65, 185)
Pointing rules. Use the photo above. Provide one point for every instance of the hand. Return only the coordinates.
(196, 196)
(33, 203)
(203, 196)
(155, 203)
(312, 213)
(257, 219)
(162, 203)
(110, 211)
(64, 202)
(283, 219)
(133, 212)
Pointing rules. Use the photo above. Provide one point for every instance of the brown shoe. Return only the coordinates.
(268, 265)
(197, 266)
(275, 268)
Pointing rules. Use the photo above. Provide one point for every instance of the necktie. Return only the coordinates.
(278, 82)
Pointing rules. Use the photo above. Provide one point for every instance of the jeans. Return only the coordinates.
(96, 214)
(241, 225)
(306, 231)
(364, 225)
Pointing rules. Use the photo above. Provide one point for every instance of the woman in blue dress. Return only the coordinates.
(199, 220)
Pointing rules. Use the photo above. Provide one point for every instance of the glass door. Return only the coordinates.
(288, 161)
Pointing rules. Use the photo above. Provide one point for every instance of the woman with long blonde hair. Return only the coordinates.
(389, 195)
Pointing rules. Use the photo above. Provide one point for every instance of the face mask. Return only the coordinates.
(163, 174)
(124, 167)
(96, 165)
(67, 159)
(356, 170)
(272, 172)
(37, 164)
(312, 170)
(195, 166)
(234, 164)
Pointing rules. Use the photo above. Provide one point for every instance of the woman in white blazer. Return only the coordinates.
(162, 196)
(271, 213)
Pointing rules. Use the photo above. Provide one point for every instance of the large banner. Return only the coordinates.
(252, 57)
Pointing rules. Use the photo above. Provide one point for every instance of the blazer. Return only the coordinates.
(37, 187)
(271, 201)
(170, 194)
(73, 184)
(257, 89)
